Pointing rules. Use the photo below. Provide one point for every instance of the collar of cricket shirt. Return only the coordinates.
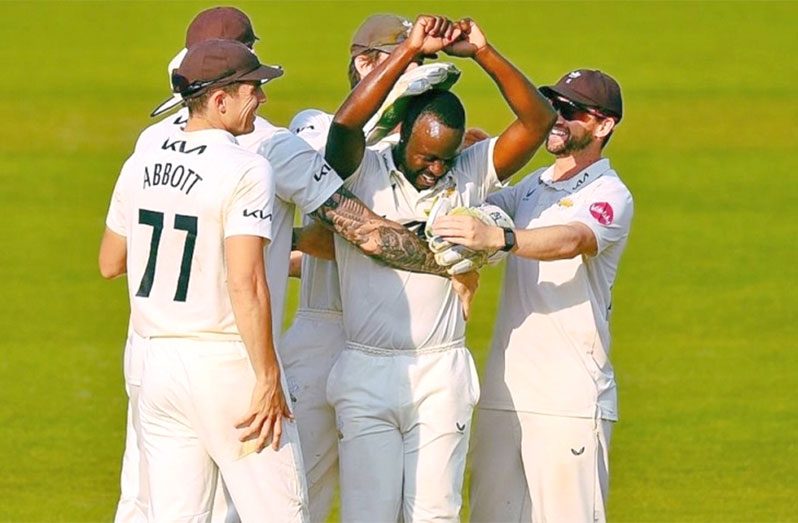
(581, 179)
(210, 135)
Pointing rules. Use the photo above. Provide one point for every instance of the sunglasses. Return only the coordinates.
(572, 111)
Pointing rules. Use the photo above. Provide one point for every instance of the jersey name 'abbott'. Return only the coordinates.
(168, 175)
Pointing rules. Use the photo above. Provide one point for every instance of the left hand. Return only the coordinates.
(263, 420)
(430, 34)
(465, 286)
(471, 40)
(469, 232)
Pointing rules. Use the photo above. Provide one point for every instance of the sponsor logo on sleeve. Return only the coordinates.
(257, 213)
(325, 169)
(602, 212)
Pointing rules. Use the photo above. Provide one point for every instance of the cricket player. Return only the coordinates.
(549, 400)
(219, 22)
(405, 385)
(316, 338)
(188, 222)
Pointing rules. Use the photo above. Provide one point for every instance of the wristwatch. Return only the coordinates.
(509, 239)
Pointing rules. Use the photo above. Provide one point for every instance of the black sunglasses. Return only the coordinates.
(573, 111)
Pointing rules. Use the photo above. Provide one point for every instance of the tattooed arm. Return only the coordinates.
(375, 236)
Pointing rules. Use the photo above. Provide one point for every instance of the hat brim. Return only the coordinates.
(175, 101)
(264, 73)
(357, 49)
(551, 90)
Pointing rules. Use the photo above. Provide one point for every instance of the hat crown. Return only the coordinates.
(382, 31)
(227, 23)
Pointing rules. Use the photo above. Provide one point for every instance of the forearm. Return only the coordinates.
(556, 242)
(250, 300)
(370, 93)
(314, 239)
(112, 259)
(375, 236)
(526, 102)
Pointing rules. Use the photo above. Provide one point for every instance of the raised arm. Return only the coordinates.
(534, 115)
(346, 141)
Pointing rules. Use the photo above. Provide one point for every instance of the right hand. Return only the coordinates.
(430, 34)
(264, 418)
(471, 41)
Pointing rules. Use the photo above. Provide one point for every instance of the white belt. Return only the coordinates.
(319, 314)
(379, 351)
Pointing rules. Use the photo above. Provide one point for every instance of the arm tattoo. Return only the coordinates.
(375, 236)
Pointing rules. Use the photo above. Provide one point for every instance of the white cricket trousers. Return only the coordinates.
(403, 422)
(308, 351)
(192, 394)
(539, 468)
(134, 492)
(134, 501)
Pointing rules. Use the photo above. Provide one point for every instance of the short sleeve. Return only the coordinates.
(301, 176)
(475, 166)
(366, 178)
(607, 211)
(249, 210)
(508, 198)
(116, 220)
(312, 126)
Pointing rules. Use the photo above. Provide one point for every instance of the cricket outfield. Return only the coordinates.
(704, 307)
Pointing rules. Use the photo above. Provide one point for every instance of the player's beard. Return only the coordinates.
(565, 142)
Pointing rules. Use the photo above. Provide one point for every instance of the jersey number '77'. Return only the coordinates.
(182, 223)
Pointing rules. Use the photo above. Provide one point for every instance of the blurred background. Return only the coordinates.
(704, 307)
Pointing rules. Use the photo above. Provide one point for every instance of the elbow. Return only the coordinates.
(549, 118)
(110, 271)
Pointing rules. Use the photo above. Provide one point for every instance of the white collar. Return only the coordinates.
(581, 179)
(211, 135)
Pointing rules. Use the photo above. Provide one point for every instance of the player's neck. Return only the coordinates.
(566, 167)
(201, 122)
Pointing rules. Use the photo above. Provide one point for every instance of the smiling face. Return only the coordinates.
(567, 137)
(429, 151)
(240, 107)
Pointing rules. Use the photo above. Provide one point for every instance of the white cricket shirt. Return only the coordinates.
(399, 310)
(301, 178)
(175, 203)
(319, 287)
(552, 339)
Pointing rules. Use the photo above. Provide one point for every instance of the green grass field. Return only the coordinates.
(704, 315)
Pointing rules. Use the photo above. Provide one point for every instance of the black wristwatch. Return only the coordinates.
(509, 239)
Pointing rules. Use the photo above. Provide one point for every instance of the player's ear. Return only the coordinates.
(363, 65)
(217, 101)
(604, 128)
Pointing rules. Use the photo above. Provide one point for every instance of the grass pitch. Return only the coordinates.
(704, 322)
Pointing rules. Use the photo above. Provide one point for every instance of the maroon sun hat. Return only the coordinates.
(381, 32)
(227, 23)
(216, 63)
